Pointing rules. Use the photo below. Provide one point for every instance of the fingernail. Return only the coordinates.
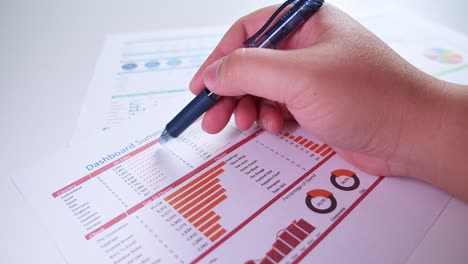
(266, 124)
(211, 74)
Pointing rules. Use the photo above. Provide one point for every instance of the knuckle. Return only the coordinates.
(233, 64)
(239, 56)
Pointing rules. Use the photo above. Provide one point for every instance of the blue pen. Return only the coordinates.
(289, 22)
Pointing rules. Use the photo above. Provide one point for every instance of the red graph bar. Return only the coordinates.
(266, 261)
(212, 230)
(204, 203)
(193, 186)
(286, 134)
(305, 226)
(282, 247)
(274, 255)
(207, 208)
(199, 199)
(293, 229)
(194, 195)
(302, 142)
(174, 194)
(291, 137)
(324, 146)
(218, 235)
(314, 146)
(209, 223)
(289, 239)
(204, 219)
(326, 152)
(308, 144)
(298, 139)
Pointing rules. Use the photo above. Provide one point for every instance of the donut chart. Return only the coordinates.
(129, 66)
(152, 64)
(324, 194)
(174, 62)
(349, 175)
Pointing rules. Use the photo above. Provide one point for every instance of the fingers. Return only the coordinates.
(272, 74)
(246, 112)
(248, 109)
(219, 115)
(270, 117)
(232, 40)
(245, 27)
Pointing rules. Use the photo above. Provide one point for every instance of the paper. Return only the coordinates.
(142, 72)
(234, 197)
(248, 197)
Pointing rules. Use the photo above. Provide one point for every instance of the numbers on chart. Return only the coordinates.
(131, 181)
(180, 225)
(202, 246)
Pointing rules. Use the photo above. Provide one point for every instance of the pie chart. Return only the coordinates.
(444, 56)
(340, 179)
(325, 197)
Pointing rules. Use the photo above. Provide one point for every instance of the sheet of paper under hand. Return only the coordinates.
(121, 197)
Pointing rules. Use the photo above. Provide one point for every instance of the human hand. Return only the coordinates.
(335, 78)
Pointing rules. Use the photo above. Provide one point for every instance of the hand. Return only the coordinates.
(337, 80)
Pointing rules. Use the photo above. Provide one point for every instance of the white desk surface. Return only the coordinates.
(48, 52)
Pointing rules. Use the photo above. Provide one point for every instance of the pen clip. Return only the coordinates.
(252, 39)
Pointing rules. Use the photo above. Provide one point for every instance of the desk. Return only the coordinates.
(49, 49)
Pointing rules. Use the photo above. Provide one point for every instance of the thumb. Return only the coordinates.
(276, 75)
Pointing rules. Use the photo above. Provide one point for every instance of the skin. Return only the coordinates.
(349, 89)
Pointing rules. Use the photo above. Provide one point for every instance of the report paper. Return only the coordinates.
(235, 197)
(143, 72)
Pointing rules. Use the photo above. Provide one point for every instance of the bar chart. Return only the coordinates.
(318, 148)
(196, 201)
(286, 240)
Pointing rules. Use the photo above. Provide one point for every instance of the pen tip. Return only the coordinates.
(164, 138)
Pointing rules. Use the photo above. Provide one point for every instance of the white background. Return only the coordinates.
(48, 51)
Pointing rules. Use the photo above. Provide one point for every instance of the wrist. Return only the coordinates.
(421, 120)
(434, 145)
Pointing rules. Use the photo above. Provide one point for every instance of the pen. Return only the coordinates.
(289, 22)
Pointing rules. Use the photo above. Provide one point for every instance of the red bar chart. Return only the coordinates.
(320, 149)
(286, 240)
(196, 201)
